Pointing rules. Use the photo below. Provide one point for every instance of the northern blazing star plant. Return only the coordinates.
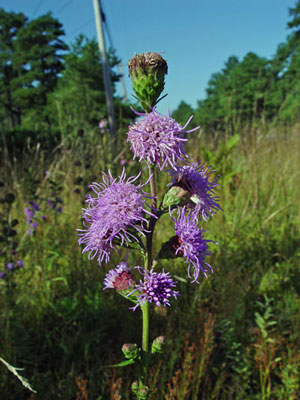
(119, 214)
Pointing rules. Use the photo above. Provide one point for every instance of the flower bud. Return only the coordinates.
(169, 248)
(157, 344)
(135, 386)
(147, 72)
(140, 390)
(119, 278)
(175, 196)
(130, 350)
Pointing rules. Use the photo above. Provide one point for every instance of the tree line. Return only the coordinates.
(47, 88)
(253, 89)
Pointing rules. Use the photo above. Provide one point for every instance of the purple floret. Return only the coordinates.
(119, 278)
(158, 139)
(190, 243)
(155, 288)
(195, 179)
(114, 217)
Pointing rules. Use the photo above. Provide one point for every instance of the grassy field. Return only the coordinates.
(234, 336)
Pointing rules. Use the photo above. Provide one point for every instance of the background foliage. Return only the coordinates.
(233, 336)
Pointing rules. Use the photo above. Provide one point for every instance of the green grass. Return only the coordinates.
(234, 336)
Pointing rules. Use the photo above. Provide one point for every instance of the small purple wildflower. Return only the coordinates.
(114, 216)
(51, 204)
(35, 206)
(59, 209)
(190, 243)
(155, 288)
(32, 228)
(10, 266)
(195, 179)
(119, 278)
(2, 275)
(103, 123)
(20, 264)
(158, 139)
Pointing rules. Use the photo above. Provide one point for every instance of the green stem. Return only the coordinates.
(153, 220)
(145, 342)
(148, 265)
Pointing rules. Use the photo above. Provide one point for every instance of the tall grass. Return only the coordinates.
(234, 336)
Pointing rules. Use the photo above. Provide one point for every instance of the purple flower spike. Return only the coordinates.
(158, 139)
(119, 278)
(114, 217)
(155, 288)
(195, 179)
(29, 215)
(190, 243)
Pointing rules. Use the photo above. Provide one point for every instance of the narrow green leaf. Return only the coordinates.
(121, 364)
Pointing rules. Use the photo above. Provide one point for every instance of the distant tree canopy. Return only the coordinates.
(255, 88)
(31, 60)
(47, 89)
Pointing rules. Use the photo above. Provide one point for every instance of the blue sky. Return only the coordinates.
(194, 36)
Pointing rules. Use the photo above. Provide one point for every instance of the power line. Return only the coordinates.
(37, 8)
(63, 6)
(107, 27)
(109, 36)
(81, 26)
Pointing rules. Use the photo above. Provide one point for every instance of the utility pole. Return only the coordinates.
(106, 73)
(123, 82)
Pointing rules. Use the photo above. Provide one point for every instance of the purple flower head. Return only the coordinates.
(59, 209)
(20, 264)
(29, 215)
(158, 139)
(114, 217)
(194, 179)
(190, 243)
(103, 124)
(2, 275)
(10, 266)
(155, 288)
(119, 278)
(32, 228)
(51, 204)
(35, 206)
